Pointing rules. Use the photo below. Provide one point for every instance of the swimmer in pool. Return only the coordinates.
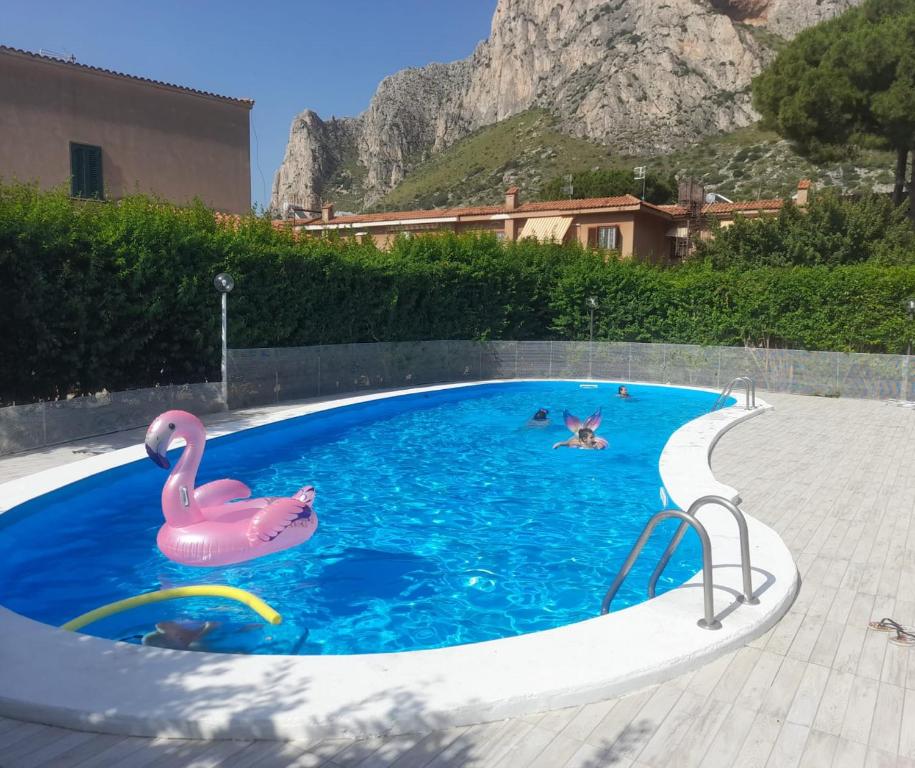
(583, 433)
(539, 419)
(622, 392)
(584, 439)
(179, 635)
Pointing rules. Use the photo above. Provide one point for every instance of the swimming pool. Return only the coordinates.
(444, 519)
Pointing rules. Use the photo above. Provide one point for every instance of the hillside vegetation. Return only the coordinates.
(529, 150)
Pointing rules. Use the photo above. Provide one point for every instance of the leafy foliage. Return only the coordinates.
(833, 231)
(848, 81)
(100, 295)
(611, 183)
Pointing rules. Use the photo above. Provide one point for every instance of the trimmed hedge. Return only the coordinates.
(119, 296)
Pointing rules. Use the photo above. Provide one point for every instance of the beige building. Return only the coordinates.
(653, 233)
(106, 134)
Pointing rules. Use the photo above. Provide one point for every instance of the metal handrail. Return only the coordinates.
(745, 567)
(749, 386)
(708, 621)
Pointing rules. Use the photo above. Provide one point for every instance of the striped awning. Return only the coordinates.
(547, 229)
(678, 232)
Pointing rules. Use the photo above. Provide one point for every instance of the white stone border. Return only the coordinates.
(77, 681)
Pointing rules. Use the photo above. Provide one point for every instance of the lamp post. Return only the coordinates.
(592, 305)
(910, 311)
(224, 283)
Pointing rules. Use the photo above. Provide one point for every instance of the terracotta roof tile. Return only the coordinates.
(490, 210)
(746, 205)
(803, 184)
(548, 206)
(8, 49)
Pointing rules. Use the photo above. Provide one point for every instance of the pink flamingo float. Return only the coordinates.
(592, 422)
(218, 523)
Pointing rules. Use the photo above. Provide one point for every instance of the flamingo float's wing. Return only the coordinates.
(593, 421)
(221, 492)
(601, 443)
(572, 422)
(275, 518)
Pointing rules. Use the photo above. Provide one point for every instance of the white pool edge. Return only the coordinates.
(78, 681)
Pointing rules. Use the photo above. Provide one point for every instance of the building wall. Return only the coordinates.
(587, 225)
(651, 241)
(154, 139)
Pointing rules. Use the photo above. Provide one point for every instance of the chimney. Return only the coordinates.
(511, 198)
(327, 212)
(803, 191)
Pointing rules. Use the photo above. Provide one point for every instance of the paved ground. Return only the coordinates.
(834, 477)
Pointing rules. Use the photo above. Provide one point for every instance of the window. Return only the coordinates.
(86, 171)
(608, 238)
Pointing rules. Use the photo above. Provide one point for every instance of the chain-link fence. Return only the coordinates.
(265, 376)
(38, 424)
(262, 376)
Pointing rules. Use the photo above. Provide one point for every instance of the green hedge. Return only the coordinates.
(118, 296)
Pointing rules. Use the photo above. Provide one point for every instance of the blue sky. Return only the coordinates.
(326, 55)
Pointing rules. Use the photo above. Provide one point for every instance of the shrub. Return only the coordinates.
(116, 296)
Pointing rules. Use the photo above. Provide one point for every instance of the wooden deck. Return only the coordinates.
(835, 479)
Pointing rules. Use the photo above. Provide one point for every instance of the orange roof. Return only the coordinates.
(623, 201)
(716, 208)
(746, 205)
(547, 206)
(803, 184)
(8, 49)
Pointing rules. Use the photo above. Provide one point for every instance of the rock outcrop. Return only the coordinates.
(637, 75)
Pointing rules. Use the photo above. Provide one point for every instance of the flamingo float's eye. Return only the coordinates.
(171, 426)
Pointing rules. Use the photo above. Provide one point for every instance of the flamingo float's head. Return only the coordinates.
(165, 429)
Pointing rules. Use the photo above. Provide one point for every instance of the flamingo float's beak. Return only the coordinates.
(158, 436)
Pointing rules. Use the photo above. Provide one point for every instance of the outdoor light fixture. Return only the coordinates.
(910, 308)
(224, 283)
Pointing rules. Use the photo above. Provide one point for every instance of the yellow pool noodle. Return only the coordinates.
(203, 590)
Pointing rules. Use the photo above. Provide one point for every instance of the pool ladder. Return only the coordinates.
(748, 384)
(688, 519)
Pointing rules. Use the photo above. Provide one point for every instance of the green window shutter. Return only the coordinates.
(94, 186)
(77, 164)
(86, 171)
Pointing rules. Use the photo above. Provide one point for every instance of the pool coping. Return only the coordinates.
(53, 676)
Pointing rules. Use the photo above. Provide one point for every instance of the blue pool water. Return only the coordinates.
(443, 519)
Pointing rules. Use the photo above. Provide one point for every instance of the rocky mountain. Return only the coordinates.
(639, 76)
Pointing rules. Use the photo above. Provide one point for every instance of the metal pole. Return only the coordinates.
(591, 343)
(225, 352)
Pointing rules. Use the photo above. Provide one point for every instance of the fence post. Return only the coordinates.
(550, 373)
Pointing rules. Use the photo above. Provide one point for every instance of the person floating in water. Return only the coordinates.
(179, 635)
(583, 433)
(540, 419)
(622, 392)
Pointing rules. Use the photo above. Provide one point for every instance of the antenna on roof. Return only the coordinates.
(638, 173)
(56, 55)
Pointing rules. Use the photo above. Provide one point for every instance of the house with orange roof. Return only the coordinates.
(633, 227)
(104, 134)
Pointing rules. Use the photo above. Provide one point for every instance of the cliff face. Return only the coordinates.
(638, 75)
